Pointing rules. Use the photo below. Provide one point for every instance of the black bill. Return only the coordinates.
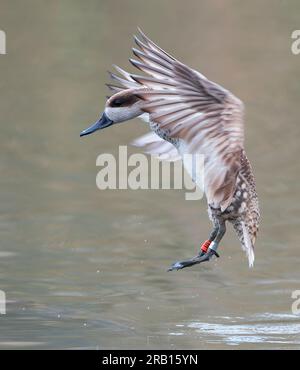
(103, 122)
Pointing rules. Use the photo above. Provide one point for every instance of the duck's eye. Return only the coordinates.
(117, 102)
(123, 101)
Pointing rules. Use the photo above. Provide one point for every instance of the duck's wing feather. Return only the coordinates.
(152, 144)
(205, 116)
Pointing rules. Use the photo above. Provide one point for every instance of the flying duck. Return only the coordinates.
(189, 114)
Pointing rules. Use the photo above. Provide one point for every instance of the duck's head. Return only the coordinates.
(120, 107)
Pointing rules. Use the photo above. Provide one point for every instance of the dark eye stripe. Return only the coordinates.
(124, 101)
(117, 102)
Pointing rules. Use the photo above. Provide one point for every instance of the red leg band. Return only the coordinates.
(205, 246)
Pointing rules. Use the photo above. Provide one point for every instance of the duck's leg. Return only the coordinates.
(208, 249)
(207, 243)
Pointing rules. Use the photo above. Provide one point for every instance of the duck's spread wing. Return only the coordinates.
(205, 116)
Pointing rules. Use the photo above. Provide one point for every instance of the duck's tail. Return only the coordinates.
(247, 242)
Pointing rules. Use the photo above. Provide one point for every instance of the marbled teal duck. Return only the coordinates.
(189, 114)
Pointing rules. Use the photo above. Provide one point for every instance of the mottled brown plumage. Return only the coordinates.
(243, 211)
